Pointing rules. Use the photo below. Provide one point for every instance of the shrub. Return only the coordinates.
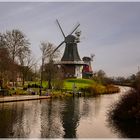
(24, 88)
(97, 89)
(4, 92)
(33, 86)
(112, 89)
(58, 84)
(136, 82)
(127, 108)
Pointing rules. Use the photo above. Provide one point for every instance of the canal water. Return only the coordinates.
(81, 117)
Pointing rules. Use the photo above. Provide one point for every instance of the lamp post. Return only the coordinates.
(41, 76)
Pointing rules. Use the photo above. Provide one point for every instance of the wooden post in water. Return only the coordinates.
(84, 92)
(72, 93)
(78, 94)
(74, 87)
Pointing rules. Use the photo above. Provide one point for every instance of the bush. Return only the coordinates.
(136, 82)
(127, 108)
(24, 88)
(4, 92)
(58, 84)
(33, 86)
(112, 89)
(93, 90)
(97, 89)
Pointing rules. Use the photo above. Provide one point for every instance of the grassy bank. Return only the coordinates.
(79, 83)
(87, 87)
(90, 86)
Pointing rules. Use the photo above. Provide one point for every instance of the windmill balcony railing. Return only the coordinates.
(70, 62)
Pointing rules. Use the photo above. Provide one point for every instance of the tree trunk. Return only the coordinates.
(23, 80)
(49, 79)
(49, 84)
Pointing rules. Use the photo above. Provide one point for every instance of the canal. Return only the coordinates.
(59, 118)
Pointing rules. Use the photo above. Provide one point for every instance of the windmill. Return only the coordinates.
(70, 61)
(87, 68)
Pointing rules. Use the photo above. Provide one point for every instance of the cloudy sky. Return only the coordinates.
(110, 30)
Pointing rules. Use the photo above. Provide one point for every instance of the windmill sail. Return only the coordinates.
(60, 27)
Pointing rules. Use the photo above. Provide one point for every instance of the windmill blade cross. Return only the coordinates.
(57, 47)
(75, 29)
(60, 27)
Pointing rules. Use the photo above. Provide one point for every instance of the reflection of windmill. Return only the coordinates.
(70, 61)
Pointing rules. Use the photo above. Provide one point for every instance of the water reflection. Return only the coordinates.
(58, 118)
(84, 107)
(70, 117)
(50, 119)
(8, 118)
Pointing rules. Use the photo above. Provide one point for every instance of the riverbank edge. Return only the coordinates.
(22, 98)
(16, 98)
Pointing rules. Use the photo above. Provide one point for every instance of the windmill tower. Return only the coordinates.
(87, 68)
(70, 62)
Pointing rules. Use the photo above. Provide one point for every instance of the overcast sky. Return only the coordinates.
(110, 30)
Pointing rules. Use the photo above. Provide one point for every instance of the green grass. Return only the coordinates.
(68, 83)
(17, 91)
(79, 83)
(44, 83)
(87, 85)
(85, 81)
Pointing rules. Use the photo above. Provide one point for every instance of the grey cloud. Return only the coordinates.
(110, 30)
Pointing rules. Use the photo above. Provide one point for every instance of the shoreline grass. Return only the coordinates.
(86, 86)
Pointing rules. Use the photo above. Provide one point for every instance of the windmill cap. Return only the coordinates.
(70, 39)
(86, 58)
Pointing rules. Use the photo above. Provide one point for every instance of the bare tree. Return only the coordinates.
(100, 76)
(17, 45)
(57, 77)
(47, 57)
(26, 65)
(16, 42)
(5, 62)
